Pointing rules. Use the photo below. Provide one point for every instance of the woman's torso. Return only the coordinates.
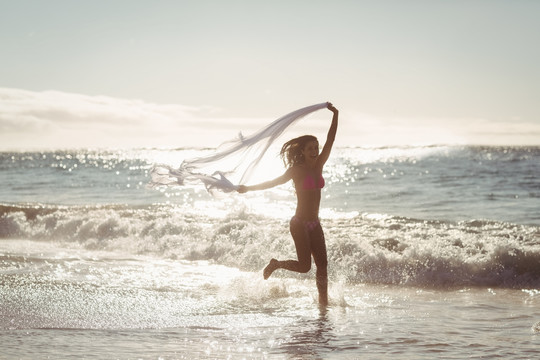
(308, 184)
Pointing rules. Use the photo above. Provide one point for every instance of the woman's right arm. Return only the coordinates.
(267, 184)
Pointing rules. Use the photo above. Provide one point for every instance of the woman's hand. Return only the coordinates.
(331, 107)
(242, 189)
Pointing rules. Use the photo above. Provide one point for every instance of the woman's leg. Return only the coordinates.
(303, 252)
(318, 250)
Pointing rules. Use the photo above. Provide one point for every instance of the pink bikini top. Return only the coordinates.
(309, 183)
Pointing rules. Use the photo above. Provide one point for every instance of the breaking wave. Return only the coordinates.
(366, 248)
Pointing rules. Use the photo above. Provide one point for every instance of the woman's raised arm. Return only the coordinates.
(325, 153)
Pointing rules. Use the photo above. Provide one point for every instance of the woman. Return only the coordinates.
(305, 166)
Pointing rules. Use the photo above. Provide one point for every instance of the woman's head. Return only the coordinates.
(292, 152)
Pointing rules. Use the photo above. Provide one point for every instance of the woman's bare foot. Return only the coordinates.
(269, 269)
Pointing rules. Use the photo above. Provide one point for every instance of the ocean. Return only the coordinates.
(434, 252)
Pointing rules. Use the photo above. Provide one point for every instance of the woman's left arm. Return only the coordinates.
(325, 153)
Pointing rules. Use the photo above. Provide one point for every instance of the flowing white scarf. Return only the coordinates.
(241, 158)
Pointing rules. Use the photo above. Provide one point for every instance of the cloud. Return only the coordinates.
(53, 119)
(371, 130)
(57, 120)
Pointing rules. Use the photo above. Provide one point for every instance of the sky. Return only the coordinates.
(131, 73)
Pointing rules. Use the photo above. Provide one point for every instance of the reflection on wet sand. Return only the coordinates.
(310, 338)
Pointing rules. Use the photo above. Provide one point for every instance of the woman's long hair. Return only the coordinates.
(291, 151)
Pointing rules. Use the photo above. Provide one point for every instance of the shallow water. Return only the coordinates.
(142, 307)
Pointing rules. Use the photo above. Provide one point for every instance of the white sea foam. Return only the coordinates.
(361, 249)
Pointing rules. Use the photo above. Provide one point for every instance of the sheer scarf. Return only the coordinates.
(237, 160)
